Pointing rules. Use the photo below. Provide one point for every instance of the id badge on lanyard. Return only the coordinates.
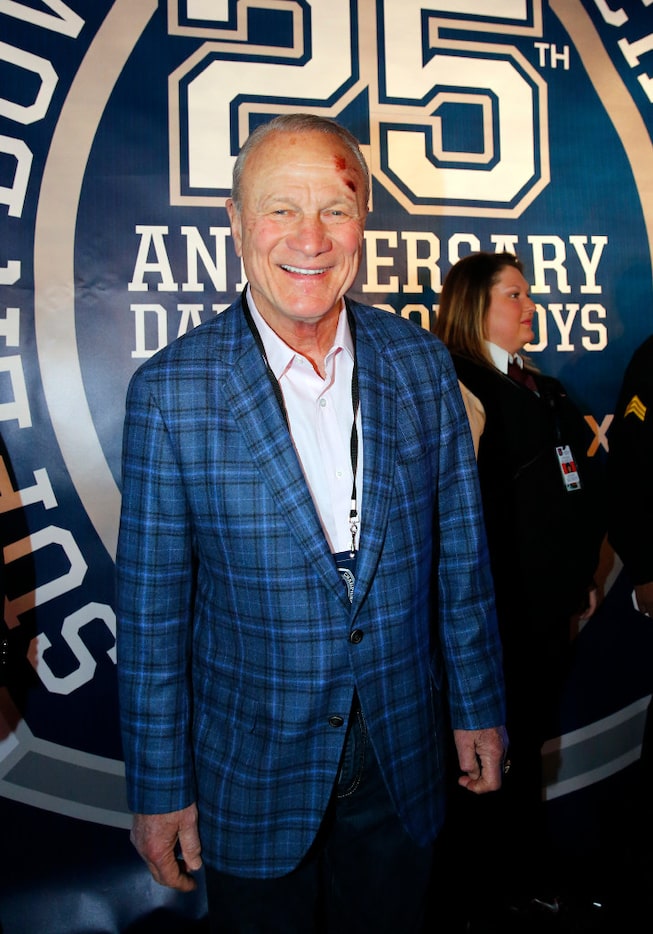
(346, 564)
(568, 469)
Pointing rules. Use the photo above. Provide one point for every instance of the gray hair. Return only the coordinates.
(296, 123)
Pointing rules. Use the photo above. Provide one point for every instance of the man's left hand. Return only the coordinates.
(481, 756)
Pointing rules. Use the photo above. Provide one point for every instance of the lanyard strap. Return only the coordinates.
(354, 517)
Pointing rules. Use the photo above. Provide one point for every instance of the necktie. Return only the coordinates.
(521, 376)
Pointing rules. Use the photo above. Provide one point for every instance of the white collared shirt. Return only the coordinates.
(501, 358)
(320, 414)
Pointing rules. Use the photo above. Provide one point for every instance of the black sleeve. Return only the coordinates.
(630, 468)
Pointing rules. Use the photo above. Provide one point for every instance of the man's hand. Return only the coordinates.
(644, 597)
(481, 756)
(155, 836)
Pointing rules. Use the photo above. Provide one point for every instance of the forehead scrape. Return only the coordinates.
(341, 165)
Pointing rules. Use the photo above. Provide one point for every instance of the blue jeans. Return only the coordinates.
(363, 875)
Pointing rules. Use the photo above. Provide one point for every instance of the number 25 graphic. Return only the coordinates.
(423, 66)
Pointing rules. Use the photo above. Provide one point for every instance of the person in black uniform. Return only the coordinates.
(541, 498)
(630, 473)
(630, 489)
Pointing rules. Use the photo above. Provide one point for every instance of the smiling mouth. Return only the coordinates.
(303, 272)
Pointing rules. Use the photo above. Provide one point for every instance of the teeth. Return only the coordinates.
(303, 272)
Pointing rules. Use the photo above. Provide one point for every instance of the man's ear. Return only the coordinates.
(236, 226)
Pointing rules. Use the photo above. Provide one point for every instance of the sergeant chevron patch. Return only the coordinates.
(637, 407)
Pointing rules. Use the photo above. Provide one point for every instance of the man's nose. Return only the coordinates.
(309, 235)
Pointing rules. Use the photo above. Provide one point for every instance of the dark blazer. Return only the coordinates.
(236, 658)
(544, 541)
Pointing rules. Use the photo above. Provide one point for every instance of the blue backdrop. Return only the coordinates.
(515, 124)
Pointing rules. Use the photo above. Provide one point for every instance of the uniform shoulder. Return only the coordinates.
(475, 374)
(642, 359)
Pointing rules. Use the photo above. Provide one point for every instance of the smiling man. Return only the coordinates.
(298, 225)
(302, 568)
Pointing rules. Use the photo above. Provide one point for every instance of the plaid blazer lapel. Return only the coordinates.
(265, 432)
(378, 412)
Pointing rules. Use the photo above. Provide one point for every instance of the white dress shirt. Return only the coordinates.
(320, 414)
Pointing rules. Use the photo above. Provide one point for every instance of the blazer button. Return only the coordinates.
(356, 636)
(336, 721)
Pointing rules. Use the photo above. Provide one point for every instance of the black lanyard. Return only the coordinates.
(354, 518)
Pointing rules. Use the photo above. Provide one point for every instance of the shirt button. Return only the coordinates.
(336, 721)
(323, 403)
(356, 636)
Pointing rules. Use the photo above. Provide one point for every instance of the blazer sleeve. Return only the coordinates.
(468, 626)
(154, 601)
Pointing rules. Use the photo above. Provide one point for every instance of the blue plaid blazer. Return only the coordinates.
(233, 624)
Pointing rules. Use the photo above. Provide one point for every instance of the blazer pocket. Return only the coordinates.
(223, 713)
(410, 448)
(413, 441)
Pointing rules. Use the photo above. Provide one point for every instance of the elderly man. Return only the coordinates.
(302, 573)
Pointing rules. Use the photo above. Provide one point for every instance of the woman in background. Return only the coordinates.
(541, 501)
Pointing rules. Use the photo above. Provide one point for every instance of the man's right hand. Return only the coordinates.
(155, 836)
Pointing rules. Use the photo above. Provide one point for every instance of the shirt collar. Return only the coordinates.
(501, 358)
(279, 354)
